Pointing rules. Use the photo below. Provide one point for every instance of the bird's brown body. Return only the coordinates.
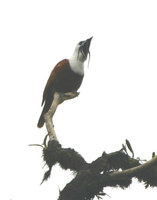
(62, 79)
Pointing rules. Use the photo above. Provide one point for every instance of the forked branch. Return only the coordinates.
(113, 169)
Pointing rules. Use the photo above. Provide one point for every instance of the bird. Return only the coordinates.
(65, 77)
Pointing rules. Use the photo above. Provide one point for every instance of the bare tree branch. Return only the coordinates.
(58, 99)
(135, 170)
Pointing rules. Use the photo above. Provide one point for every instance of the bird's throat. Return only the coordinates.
(76, 66)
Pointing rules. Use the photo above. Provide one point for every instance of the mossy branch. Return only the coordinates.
(113, 169)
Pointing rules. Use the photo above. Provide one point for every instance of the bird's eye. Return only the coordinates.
(81, 42)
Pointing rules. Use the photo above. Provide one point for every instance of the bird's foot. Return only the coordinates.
(68, 95)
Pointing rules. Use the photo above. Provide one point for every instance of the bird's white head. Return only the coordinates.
(82, 50)
(80, 55)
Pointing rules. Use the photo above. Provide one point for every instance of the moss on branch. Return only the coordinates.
(114, 169)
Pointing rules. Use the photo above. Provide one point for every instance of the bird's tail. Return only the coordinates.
(46, 108)
(41, 119)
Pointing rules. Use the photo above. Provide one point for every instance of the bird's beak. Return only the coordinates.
(85, 47)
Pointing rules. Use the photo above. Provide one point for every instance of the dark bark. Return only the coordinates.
(92, 178)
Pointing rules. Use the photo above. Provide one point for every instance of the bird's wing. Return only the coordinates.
(50, 85)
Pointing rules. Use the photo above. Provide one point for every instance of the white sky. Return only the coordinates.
(118, 98)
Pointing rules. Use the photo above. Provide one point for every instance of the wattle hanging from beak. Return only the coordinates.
(84, 48)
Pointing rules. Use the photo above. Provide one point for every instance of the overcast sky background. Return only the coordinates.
(118, 97)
